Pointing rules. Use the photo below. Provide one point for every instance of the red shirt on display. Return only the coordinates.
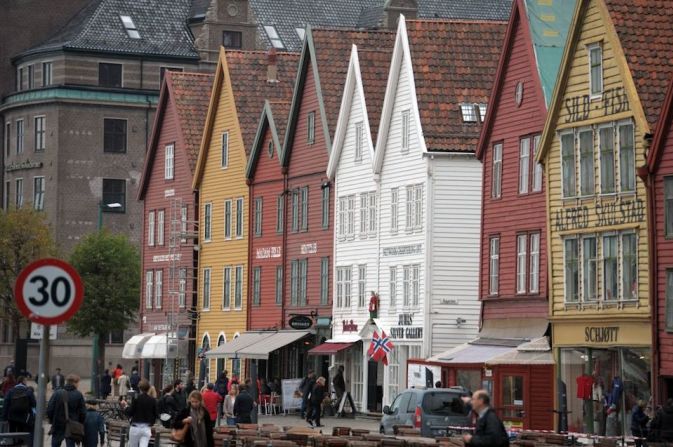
(584, 386)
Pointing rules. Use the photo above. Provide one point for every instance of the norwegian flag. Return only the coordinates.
(380, 347)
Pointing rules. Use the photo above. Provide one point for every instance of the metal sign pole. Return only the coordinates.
(38, 438)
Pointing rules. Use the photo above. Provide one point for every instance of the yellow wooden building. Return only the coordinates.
(595, 139)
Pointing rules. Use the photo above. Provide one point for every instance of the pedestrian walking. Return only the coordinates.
(639, 422)
(143, 413)
(168, 407)
(305, 388)
(180, 394)
(18, 407)
(57, 380)
(211, 401)
(489, 431)
(661, 428)
(123, 384)
(243, 406)
(71, 397)
(94, 426)
(339, 383)
(196, 422)
(116, 374)
(134, 380)
(228, 405)
(314, 409)
(106, 384)
(222, 384)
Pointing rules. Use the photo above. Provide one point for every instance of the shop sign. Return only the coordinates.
(488, 372)
(348, 326)
(450, 301)
(165, 258)
(606, 214)
(169, 193)
(401, 250)
(613, 100)
(405, 329)
(300, 322)
(23, 165)
(160, 327)
(597, 334)
(268, 252)
(308, 249)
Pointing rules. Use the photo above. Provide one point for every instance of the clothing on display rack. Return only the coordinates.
(584, 386)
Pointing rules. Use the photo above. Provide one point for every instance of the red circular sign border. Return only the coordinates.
(30, 268)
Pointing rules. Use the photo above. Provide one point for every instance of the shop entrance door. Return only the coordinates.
(372, 388)
(514, 398)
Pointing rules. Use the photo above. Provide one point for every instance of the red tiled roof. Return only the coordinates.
(280, 110)
(248, 72)
(333, 49)
(191, 95)
(454, 61)
(374, 69)
(645, 30)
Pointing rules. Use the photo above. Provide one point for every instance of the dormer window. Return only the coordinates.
(301, 32)
(473, 112)
(273, 36)
(130, 27)
(595, 69)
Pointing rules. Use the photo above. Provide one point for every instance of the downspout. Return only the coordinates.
(284, 245)
(428, 254)
(251, 189)
(653, 274)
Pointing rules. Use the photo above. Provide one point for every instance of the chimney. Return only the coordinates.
(394, 8)
(272, 66)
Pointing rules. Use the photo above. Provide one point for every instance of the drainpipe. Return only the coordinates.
(284, 248)
(251, 190)
(653, 275)
(429, 212)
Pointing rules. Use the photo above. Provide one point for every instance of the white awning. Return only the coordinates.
(535, 352)
(160, 347)
(467, 354)
(133, 348)
(231, 348)
(264, 347)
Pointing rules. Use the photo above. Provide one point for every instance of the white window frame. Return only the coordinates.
(566, 266)
(224, 151)
(169, 161)
(303, 198)
(406, 285)
(161, 228)
(534, 263)
(372, 214)
(350, 216)
(149, 289)
(240, 215)
(415, 285)
(394, 209)
(496, 177)
(274, 37)
(406, 130)
(631, 172)
(392, 286)
(521, 263)
(524, 165)
(257, 285)
(364, 213)
(585, 264)
(279, 279)
(566, 191)
(341, 217)
(592, 159)
(259, 203)
(359, 141)
(590, 49)
(310, 125)
(158, 288)
(362, 285)
(226, 288)
(602, 164)
(324, 280)
(207, 222)
(238, 288)
(280, 213)
(207, 286)
(228, 218)
(151, 229)
(494, 266)
(182, 287)
(538, 170)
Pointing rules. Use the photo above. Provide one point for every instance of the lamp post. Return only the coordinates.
(94, 349)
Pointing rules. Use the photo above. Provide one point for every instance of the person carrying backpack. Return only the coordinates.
(168, 407)
(18, 408)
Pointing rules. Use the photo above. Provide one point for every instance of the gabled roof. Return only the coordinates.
(326, 52)
(245, 73)
(367, 75)
(661, 131)
(188, 93)
(274, 119)
(287, 16)
(545, 28)
(643, 33)
(98, 28)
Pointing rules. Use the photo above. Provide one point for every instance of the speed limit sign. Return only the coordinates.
(48, 291)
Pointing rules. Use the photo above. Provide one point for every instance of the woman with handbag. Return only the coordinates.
(143, 413)
(193, 427)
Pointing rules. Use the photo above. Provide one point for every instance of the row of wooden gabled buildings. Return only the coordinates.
(492, 196)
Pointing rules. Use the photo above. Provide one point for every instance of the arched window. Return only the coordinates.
(222, 339)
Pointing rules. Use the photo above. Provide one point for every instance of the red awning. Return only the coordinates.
(329, 348)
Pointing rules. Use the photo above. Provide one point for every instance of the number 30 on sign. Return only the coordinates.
(48, 291)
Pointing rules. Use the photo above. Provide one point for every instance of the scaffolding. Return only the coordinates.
(181, 315)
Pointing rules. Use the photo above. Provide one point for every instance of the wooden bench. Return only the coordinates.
(118, 431)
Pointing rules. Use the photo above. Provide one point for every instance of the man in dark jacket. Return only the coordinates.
(94, 426)
(243, 406)
(222, 385)
(489, 431)
(305, 387)
(339, 383)
(315, 403)
(56, 410)
(179, 394)
(661, 428)
(134, 381)
(57, 380)
(18, 407)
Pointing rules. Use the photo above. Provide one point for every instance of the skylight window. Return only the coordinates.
(482, 112)
(472, 112)
(301, 32)
(273, 36)
(130, 27)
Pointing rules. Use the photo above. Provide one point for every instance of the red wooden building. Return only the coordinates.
(168, 255)
(660, 196)
(511, 356)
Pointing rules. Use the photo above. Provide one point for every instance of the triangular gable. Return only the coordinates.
(401, 60)
(266, 122)
(218, 84)
(353, 86)
(517, 19)
(566, 66)
(661, 132)
(307, 61)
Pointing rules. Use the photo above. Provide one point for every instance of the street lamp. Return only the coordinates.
(94, 349)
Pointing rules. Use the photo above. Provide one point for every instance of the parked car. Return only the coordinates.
(430, 410)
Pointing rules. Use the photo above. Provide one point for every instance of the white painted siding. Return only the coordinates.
(354, 178)
(455, 217)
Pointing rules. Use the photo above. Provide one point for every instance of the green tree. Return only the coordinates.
(25, 236)
(110, 269)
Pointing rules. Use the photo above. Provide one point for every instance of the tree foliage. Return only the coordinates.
(110, 269)
(25, 236)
